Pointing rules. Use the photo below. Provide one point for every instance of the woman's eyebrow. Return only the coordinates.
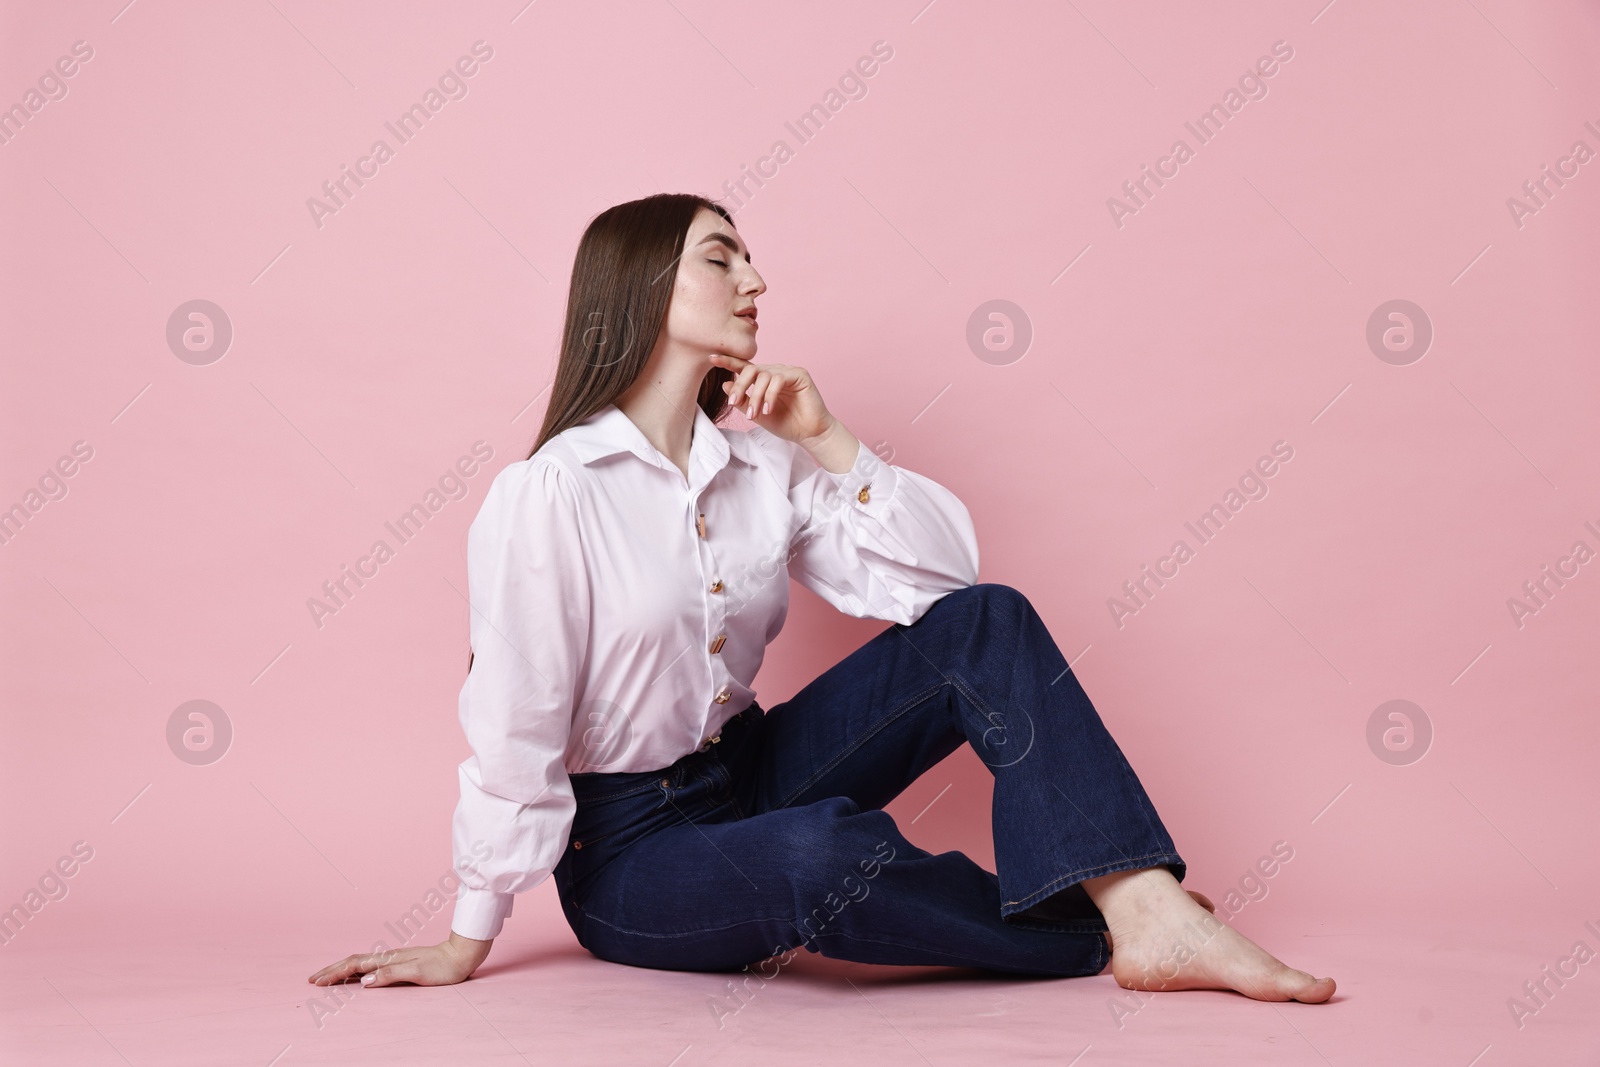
(724, 239)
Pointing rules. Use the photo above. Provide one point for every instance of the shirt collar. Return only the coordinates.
(610, 431)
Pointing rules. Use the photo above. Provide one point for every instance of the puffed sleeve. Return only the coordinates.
(877, 541)
(529, 600)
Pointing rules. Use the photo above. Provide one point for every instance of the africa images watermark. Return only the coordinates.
(1537, 192)
(1252, 486)
(1166, 970)
(51, 86)
(1252, 86)
(451, 486)
(1537, 992)
(405, 929)
(52, 886)
(1537, 592)
(452, 85)
(1252, 887)
(725, 1007)
(51, 486)
(851, 86)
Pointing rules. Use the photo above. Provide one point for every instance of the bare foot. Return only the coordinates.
(1166, 939)
(1199, 898)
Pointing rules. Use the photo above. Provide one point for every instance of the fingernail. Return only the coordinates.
(367, 979)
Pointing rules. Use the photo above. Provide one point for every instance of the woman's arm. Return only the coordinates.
(529, 600)
(874, 540)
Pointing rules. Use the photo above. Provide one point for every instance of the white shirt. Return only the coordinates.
(620, 612)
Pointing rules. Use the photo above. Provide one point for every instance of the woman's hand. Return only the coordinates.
(780, 399)
(784, 401)
(446, 963)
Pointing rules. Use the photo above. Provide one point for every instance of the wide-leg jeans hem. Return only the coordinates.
(1010, 908)
(1098, 955)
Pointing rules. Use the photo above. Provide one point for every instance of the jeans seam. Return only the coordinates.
(1104, 868)
(1098, 955)
(971, 694)
(878, 728)
(722, 779)
(733, 794)
(684, 933)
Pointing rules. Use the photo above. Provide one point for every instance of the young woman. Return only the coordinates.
(625, 580)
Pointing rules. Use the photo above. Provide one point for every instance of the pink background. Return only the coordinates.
(1227, 314)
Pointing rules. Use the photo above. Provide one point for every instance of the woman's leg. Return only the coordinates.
(979, 668)
(1076, 836)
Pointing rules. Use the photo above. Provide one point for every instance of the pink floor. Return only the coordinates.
(1412, 991)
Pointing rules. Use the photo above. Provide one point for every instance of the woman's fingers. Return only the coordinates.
(731, 363)
(356, 964)
(408, 971)
(754, 388)
(741, 382)
(731, 387)
(722, 359)
(769, 394)
(758, 389)
(336, 972)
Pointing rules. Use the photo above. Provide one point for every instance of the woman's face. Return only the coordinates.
(715, 282)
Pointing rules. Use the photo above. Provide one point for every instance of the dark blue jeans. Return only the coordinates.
(774, 836)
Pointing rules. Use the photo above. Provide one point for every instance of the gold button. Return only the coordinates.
(716, 586)
(666, 783)
(577, 844)
(700, 524)
(864, 496)
(722, 697)
(716, 646)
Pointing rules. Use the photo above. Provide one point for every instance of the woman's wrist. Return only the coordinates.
(834, 449)
(468, 948)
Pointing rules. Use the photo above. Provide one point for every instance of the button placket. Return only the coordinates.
(716, 607)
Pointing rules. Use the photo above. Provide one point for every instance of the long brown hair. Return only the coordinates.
(622, 282)
(617, 300)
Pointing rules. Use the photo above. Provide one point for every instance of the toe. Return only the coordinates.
(1304, 987)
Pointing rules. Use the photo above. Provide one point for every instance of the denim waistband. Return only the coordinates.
(591, 785)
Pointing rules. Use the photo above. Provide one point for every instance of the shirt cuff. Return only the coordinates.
(480, 913)
(869, 484)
